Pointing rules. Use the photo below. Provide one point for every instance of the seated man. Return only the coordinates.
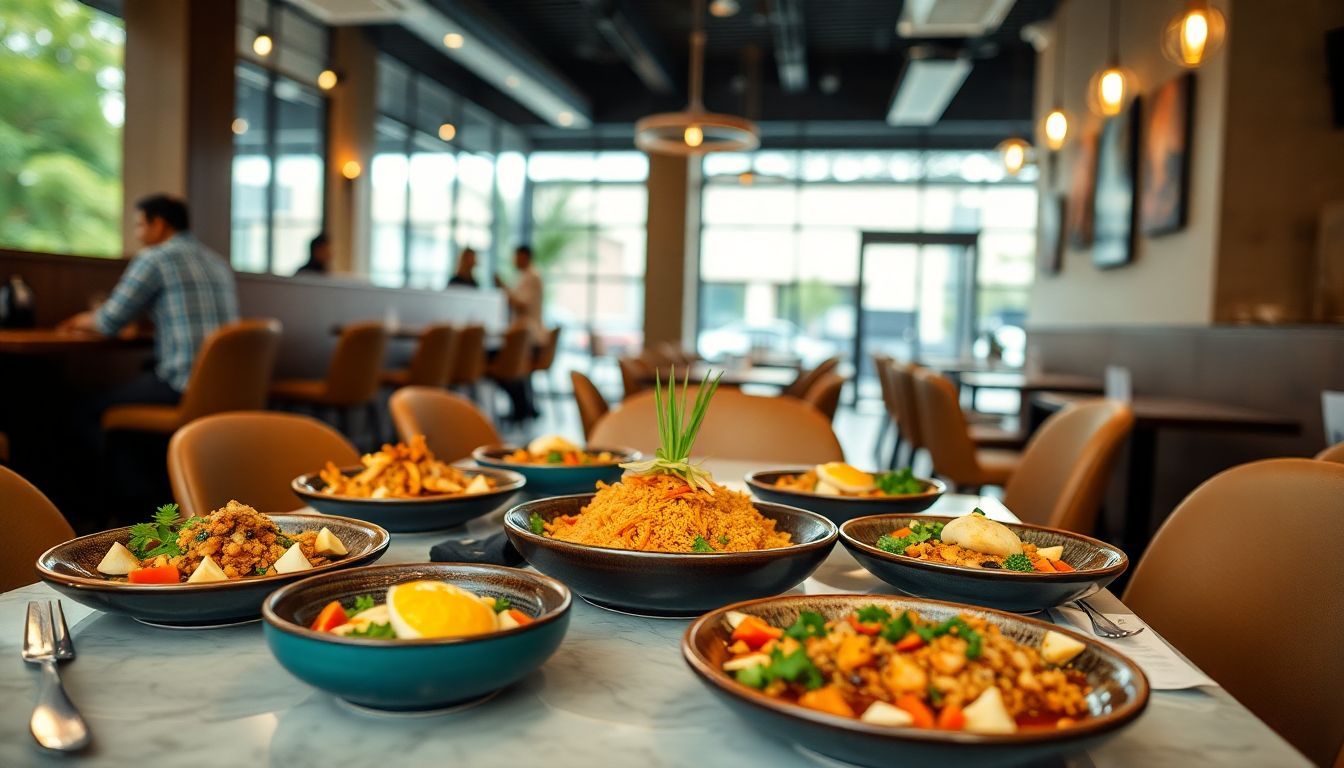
(187, 290)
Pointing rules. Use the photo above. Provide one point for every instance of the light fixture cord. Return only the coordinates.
(1059, 51)
(1115, 33)
(697, 54)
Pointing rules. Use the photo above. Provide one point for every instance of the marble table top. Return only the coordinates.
(616, 693)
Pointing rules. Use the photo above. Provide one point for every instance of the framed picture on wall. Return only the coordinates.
(1164, 176)
(1050, 234)
(1081, 187)
(1113, 204)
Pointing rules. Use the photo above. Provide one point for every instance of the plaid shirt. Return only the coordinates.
(188, 291)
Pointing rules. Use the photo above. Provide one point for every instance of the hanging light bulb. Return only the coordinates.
(447, 131)
(262, 44)
(1014, 153)
(1194, 35)
(1109, 90)
(327, 79)
(694, 136)
(1056, 128)
(351, 170)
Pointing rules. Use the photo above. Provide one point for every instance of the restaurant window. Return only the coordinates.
(280, 140)
(780, 241)
(61, 177)
(588, 241)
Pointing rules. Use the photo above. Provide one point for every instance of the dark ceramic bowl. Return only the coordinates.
(841, 508)
(1119, 692)
(72, 569)
(425, 513)
(1097, 564)
(415, 675)
(668, 583)
(556, 479)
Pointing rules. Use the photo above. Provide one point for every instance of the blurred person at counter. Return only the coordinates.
(319, 256)
(525, 295)
(466, 269)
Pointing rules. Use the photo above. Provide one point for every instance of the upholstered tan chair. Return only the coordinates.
(907, 407)
(806, 379)
(250, 456)
(592, 405)
(1334, 453)
(232, 372)
(469, 364)
(942, 427)
(1246, 580)
(1067, 465)
(779, 430)
(824, 394)
(452, 425)
(635, 375)
(544, 359)
(352, 375)
(32, 526)
(431, 363)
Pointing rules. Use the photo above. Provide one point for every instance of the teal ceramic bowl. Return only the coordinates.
(415, 675)
(557, 479)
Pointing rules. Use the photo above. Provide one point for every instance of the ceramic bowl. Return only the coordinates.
(415, 675)
(71, 568)
(1096, 562)
(424, 513)
(557, 479)
(838, 509)
(667, 583)
(1119, 692)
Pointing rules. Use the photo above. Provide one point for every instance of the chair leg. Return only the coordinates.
(895, 451)
(376, 428)
(882, 431)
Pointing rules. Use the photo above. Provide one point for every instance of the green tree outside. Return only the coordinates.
(60, 127)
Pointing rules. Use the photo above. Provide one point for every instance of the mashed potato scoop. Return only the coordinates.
(980, 534)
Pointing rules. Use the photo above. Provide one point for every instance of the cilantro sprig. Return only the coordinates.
(375, 631)
(809, 624)
(149, 540)
(901, 482)
(919, 532)
(502, 604)
(796, 667)
(536, 524)
(700, 545)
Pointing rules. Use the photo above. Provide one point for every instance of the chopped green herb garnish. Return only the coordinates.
(723, 540)
(809, 624)
(377, 631)
(502, 604)
(284, 541)
(753, 676)
(362, 604)
(537, 525)
(897, 628)
(259, 571)
(555, 457)
(935, 696)
(919, 533)
(902, 482)
(700, 545)
(871, 614)
(797, 667)
(978, 511)
(953, 626)
(1018, 563)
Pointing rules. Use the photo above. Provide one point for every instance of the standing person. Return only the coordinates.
(525, 295)
(466, 269)
(319, 256)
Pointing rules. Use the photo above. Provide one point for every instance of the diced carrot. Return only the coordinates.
(917, 709)
(864, 628)
(331, 617)
(163, 574)
(951, 718)
(1042, 565)
(680, 491)
(902, 533)
(522, 618)
(572, 459)
(827, 699)
(1062, 566)
(910, 642)
(755, 632)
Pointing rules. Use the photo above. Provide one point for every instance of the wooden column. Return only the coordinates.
(673, 249)
(179, 108)
(353, 107)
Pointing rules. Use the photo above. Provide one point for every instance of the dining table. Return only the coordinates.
(1153, 415)
(768, 377)
(617, 692)
(55, 341)
(1027, 383)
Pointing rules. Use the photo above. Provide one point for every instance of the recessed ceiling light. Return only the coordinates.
(512, 81)
(351, 170)
(262, 44)
(327, 80)
(453, 40)
(447, 131)
(724, 8)
(565, 119)
(239, 126)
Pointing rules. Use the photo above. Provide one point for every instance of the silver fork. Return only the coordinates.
(1102, 626)
(55, 724)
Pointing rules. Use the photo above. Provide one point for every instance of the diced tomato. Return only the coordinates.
(522, 618)
(1062, 566)
(951, 718)
(331, 617)
(917, 709)
(910, 642)
(755, 632)
(163, 574)
(901, 533)
(864, 628)
(1043, 565)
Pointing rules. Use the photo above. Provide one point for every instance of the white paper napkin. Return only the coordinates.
(1165, 669)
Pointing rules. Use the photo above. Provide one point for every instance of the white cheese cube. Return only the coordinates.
(882, 713)
(207, 571)
(1059, 649)
(292, 561)
(118, 561)
(328, 544)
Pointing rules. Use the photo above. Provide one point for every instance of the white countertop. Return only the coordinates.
(616, 693)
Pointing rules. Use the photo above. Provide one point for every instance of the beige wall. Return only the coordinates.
(671, 186)
(1171, 279)
(353, 110)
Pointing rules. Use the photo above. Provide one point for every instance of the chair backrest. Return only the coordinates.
(546, 354)
(806, 379)
(743, 427)
(453, 427)
(635, 375)
(32, 526)
(824, 395)
(592, 405)
(1334, 453)
(882, 368)
(513, 361)
(356, 364)
(1261, 612)
(942, 426)
(250, 456)
(433, 359)
(902, 378)
(470, 363)
(1067, 464)
(233, 369)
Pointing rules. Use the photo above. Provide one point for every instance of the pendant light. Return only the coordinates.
(1111, 88)
(693, 131)
(1015, 151)
(1055, 126)
(1194, 35)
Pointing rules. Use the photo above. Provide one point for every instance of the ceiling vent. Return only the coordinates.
(339, 13)
(951, 18)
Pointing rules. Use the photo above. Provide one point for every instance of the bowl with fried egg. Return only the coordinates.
(555, 466)
(841, 492)
(417, 638)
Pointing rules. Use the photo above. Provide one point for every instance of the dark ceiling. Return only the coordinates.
(849, 46)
